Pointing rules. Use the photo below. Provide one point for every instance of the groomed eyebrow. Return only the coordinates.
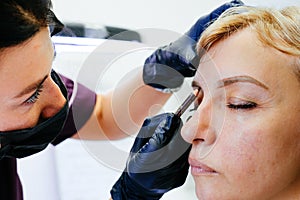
(231, 80)
(32, 87)
(228, 81)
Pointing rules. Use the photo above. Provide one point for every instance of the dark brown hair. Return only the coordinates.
(21, 19)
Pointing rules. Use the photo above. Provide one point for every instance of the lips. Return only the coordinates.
(198, 168)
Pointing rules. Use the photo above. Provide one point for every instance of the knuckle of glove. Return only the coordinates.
(168, 65)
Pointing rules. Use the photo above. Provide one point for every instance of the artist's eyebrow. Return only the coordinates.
(32, 87)
(231, 80)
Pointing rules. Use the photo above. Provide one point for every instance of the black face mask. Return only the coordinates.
(25, 142)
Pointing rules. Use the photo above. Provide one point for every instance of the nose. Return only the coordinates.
(54, 101)
(200, 127)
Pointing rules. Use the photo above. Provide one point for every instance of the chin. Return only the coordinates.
(205, 191)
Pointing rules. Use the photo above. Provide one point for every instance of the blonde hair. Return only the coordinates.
(279, 29)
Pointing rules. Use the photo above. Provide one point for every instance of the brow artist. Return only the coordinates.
(34, 99)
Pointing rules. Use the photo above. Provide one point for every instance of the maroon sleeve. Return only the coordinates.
(10, 185)
(81, 105)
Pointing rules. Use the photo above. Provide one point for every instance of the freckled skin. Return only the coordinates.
(256, 152)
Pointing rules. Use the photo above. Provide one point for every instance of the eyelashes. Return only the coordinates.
(236, 107)
(35, 96)
(245, 106)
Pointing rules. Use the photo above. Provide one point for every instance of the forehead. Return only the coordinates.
(26, 63)
(243, 54)
(39, 42)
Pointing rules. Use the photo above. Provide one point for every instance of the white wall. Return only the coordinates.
(172, 15)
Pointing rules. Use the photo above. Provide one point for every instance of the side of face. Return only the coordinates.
(245, 132)
(27, 91)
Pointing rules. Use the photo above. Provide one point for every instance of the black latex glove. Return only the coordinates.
(158, 161)
(166, 68)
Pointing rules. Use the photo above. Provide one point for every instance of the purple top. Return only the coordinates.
(83, 103)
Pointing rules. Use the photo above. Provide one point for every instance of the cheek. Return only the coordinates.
(18, 119)
(257, 158)
(242, 149)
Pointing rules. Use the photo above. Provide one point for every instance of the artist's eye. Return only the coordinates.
(35, 96)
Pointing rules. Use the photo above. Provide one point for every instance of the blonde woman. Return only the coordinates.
(245, 132)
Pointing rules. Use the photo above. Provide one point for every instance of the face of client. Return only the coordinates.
(245, 132)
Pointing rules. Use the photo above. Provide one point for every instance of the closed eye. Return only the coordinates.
(245, 106)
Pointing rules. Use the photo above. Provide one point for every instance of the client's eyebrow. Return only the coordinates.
(231, 80)
(32, 87)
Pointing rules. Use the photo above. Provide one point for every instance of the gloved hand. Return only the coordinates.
(158, 161)
(166, 68)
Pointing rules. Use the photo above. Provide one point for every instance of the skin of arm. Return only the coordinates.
(121, 111)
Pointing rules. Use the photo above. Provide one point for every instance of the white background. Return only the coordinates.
(71, 171)
(173, 15)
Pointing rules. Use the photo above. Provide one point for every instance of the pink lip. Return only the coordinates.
(198, 168)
